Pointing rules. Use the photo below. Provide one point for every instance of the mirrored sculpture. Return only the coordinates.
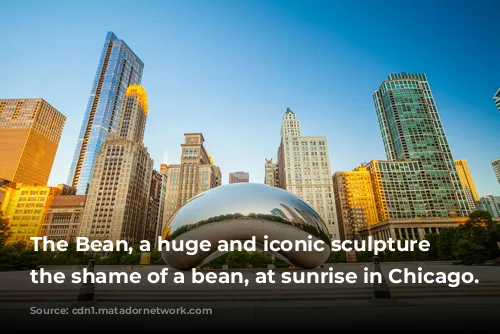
(241, 211)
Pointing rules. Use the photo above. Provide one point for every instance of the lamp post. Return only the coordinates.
(87, 289)
(380, 289)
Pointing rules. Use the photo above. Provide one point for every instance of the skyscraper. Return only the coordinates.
(155, 207)
(271, 173)
(467, 182)
(304, 169)
(118, 196)
(496, 98)
(354, 201)
(238, 177)
(118, 68)
(491, 204)
(412, 131)
(401, 190)
(30, 130)
(195, 174)
(496, 168)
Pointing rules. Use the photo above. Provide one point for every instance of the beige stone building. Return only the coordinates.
(271, 174)
(239, 177)
(63, 217)
(195, 174)
(304, 170)
(118, 196)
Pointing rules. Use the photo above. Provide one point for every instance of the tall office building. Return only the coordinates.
(496, 98)
(496, 168)
(238, 177)
(163, 197)
(155, 212)
(490, 204)
(354, 201)
(24, 207)
(304, 170)
(118, 68)
(412, 131)
(30, 130)
(401, 190)
(195, 174)
(118, 196)
(467, 182)
(271, 173)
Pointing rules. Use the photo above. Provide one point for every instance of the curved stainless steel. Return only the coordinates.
(240, 211)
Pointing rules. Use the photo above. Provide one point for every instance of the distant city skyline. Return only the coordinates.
(222, 75)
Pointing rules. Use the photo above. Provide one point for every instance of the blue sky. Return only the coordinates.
(230, 68)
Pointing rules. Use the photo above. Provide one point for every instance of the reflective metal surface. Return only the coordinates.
(240, 211)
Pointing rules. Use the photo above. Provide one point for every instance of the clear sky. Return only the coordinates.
(230, 68)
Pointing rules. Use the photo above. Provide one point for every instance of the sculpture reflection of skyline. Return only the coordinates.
(259, 202)
(246, 201)
(243, 211)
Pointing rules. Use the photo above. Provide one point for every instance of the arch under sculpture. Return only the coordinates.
(240, 211)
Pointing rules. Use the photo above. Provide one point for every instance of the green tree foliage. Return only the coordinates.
(5, 232)
(473, 242)
(14, 256)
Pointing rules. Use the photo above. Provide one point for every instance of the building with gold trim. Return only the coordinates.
(30, 130)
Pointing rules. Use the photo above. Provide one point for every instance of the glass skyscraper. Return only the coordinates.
(119, 67)
(412, 131)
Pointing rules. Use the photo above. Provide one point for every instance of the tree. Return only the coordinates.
(481, 217)
(337, 257)
(218, 262)
(5, 232)
(493, 239)
(238, 259)
(445, 243)
(433, 252)
(470, 253)
(260, 259)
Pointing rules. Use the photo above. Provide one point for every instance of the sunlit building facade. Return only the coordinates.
(24, 207)
(355, 201)
(118, 68)
(304, 170)
(118, 197)
(467, 182)
(30, 130)
(412, 131)
(401, 190)
(195, 174)
(63, 218)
